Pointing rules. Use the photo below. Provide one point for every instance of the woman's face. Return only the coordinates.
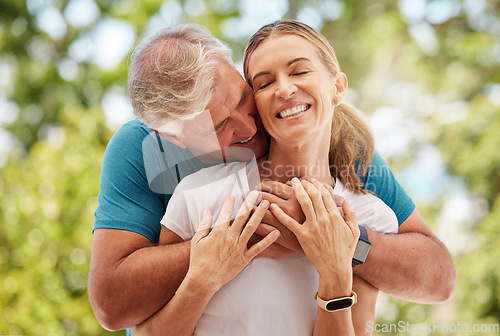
(294, 91)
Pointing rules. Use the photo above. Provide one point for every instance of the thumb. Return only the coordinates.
(204, 227)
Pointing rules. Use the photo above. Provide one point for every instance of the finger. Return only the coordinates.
(262, 245)
(303, 198)
(278, 189)
(315, 196)
(244, 211)
(204, 227)
(326, 196)
(253, 222)
(268, 218)
(272, 198)
(264, 229)
(225, 214)
(350, 217)
(290, 223)
(338, 199)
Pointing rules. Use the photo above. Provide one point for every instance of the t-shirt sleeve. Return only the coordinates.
(126, 201)
(381, 181)
(177, 216)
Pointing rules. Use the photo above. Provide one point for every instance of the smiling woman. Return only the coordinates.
(300, 78)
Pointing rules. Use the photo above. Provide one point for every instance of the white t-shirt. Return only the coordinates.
(270, 296)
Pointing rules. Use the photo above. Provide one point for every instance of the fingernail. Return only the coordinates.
(295, 180)
(264, 204)
(312, 180)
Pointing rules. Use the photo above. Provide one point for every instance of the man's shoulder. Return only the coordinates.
(135, 140)
(130, 133)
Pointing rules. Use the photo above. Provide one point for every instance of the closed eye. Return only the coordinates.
(264, 85)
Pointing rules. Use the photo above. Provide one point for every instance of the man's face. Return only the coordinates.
(230, 120)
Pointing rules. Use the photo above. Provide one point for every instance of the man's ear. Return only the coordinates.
(340, 88)
(171, 138)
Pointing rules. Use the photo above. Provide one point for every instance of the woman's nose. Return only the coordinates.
(285, 89)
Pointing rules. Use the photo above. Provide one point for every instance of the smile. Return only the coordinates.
(246, 140)
(293, 111)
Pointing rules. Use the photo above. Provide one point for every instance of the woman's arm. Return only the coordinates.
(329, 242)
(217, 256)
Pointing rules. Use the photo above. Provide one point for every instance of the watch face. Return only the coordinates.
(361, 251)
(339, 304)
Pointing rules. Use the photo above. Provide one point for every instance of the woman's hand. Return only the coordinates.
(218, 255)
(326, 238)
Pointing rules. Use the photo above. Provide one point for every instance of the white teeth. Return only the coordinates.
(245, 141)
(293, 111)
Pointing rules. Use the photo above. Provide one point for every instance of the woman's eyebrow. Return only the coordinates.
(298, 59)
(295, 60)
(262, 73)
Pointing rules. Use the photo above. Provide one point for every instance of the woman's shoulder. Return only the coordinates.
(370, 210)
(208, 175)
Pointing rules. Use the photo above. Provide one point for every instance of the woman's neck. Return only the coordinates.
(309, 160)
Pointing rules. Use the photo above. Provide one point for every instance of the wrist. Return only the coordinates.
(199, 286)
(335, 285)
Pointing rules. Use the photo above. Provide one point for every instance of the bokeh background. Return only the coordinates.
(425, 72)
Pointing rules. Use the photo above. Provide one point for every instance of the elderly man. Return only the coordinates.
(183, 84)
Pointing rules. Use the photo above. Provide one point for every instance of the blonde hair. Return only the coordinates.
(172, 76)
(351, 143)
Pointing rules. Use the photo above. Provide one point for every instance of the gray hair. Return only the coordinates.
(172, 75)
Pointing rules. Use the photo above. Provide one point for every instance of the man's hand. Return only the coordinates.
(274, 251)
(282, 195)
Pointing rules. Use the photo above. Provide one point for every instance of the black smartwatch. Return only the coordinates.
(337, 304)
(362, 248)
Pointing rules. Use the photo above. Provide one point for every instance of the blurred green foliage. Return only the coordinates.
(49, 177)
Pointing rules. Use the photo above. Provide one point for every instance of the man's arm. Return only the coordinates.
(413, 264)
(130, 278)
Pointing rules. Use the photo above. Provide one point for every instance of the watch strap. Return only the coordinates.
(337, 304)
(363, 236)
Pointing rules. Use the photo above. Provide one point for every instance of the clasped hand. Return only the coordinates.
(327, 238)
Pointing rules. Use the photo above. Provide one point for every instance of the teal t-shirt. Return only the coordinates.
(381, 181)
(140, 171)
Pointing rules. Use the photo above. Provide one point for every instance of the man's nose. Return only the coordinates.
(245, 125)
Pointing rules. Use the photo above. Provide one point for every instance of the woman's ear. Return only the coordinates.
(171, 138)
(340, 88)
